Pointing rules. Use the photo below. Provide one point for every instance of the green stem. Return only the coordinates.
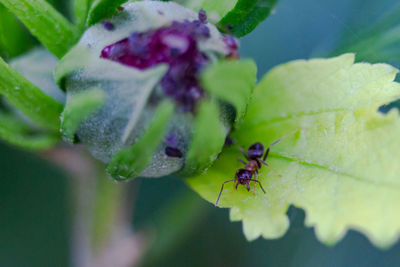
(107, 200)
(96, 202)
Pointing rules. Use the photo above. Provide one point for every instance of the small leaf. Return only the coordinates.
(239, 17)
(232, 81)
(215, 9)
(75, 60)
(79, 106)
(25, 96)
(102, 9)
(50, 27)
(245, 16)
(207, 141)
(17, 133)
(130, 162)
(341, 163)
(37, 66)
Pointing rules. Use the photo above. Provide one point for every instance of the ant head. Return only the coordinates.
(243, 176)
(256, 150)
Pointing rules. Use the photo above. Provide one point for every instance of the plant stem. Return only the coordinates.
(101, 232)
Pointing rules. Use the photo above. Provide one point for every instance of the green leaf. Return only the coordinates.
(18, 133)
(207, 141)
(50, 27)
(79, 107)
(102, 9)
(232, 81)
(81, 9)
(14, 40)
(245, 16)
(25, 96)
(130, 162)
(341, 163)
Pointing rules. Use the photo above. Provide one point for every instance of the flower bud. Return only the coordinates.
(125, 71)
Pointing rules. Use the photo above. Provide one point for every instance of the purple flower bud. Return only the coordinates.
(175, 45)
(147, 52)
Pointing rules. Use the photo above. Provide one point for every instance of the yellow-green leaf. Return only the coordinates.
(339, 161)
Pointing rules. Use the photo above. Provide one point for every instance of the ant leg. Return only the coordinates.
(244, 154)
(236, 186)
(269, 148)
(259, 184)
(242, 161)
(222, 188)
(277, 141)
(266, 153)
(255, 178)
(248, 187)
(272, 170)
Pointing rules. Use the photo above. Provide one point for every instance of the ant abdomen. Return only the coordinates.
(256, 150)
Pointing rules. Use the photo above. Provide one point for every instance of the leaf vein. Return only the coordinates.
(338, 173)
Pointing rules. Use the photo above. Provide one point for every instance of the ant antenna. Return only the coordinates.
(284, 137)
(222, 188)
(244, 153)
(276, 142)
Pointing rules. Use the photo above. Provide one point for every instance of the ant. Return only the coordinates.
(255, 160)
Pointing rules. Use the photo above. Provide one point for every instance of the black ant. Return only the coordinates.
(255, 160)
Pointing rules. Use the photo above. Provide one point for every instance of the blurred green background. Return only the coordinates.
(35, 211)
